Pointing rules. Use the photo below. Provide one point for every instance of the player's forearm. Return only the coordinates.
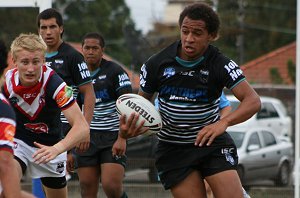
(77, 134)
(79, 129)
(89, 104)
(9, 177)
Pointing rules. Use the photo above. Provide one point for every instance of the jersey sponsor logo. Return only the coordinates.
(37, 127)
(179, 98)
(204, 76)
(84, 71)
(229, 158)
(60, 167)
(169, 71)
(63, 96)
(13, 100)
(124, 80)
(29, 95)
(228, 152)
(143, 76)
(102, 94)
(60, 61)
(57, 64)
(102, 77)
(9, 131)
(187, 73)
(233, 70)
(184, 94)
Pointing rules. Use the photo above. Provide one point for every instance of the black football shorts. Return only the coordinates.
(100, 150)
(175, 162)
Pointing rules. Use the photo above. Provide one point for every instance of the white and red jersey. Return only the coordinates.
(7, 125)
(38, 107)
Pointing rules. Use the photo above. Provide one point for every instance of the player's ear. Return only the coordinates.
(61, 29)
(213, 36)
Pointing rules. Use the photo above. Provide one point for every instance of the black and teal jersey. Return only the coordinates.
(110, 81)
(69, 64)
(188, 92)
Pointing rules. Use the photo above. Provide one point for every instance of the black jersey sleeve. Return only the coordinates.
(79, 69)
(230, 73)
(148, 81)
(6, 110)
(122, 81)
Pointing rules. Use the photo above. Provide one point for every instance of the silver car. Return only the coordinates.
(273, 114)
(261, 155)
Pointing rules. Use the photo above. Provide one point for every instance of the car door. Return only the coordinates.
(272, 153)
(254, 162)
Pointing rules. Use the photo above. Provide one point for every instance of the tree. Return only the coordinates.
(107, 17)
(266, 25)
(15, 21)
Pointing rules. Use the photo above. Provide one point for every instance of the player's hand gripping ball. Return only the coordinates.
(129, 103)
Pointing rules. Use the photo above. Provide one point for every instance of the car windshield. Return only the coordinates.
(237, 137)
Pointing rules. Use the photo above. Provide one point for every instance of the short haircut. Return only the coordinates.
(3, 57)
(30, 42)
(94, 35)
(202, 11)
(48, 14)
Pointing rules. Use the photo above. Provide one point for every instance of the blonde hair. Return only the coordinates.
(30, 42)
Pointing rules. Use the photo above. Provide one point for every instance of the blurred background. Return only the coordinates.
(259, 35)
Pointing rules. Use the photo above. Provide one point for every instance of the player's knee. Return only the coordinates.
(114, 189)
(89, 188)
(54, 182)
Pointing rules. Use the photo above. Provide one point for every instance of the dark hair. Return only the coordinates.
(94, 35)
(3, 57)
(202, 11)
(48, 14)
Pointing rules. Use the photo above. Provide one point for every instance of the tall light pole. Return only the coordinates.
(297, 116)
(240, 37)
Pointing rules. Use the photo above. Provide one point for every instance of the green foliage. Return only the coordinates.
(107, 17)
(275, 76)
(15, 21)
(265, 26)
(292, 70)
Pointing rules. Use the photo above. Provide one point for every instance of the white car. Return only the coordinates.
(262, 156)
(273, 114)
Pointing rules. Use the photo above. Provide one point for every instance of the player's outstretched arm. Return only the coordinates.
(78, 132)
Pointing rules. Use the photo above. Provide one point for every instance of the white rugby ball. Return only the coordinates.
(128, 103)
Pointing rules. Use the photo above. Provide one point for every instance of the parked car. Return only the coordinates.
(262, 156)
(141, 155)
(273, 114)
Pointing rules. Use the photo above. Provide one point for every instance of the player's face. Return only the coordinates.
(50, 32)
(195, 39)
(92, 52)
(29, 65)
